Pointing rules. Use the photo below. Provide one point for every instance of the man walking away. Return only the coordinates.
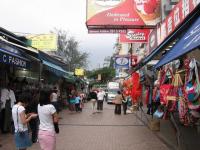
(124, 103)
(100, 99)
(93, 97)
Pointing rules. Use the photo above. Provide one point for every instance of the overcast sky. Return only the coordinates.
(41, 16)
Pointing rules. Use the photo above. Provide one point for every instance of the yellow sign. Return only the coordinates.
(79, 72)
(44, 42)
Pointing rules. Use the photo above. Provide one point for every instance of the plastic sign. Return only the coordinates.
(79, 72)
(122, 61)
(135, 35)
(44, 42)
(113, 14)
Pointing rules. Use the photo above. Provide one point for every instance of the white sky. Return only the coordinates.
(41, 16)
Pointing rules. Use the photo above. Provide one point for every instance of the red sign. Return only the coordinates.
(173, 20)
(135, 35)
(134, 60)
(113, 14)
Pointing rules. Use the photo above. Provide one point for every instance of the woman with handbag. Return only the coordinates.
(48, 122)
(21, 120)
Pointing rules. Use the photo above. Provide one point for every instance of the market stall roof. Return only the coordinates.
(54, 68)
(189, 42)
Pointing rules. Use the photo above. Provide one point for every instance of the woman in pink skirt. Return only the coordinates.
(48, 122)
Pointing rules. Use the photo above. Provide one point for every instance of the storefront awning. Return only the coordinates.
(189, 42)
(54, 68)
(13, 56)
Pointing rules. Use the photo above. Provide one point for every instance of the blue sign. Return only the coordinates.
(12, 60)
(122, 62)
(187, 43)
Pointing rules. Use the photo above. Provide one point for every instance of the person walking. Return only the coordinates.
(93, 97)
(118, 103)
(48, 122)
(21, 120)
(54, 99)
(100, 98)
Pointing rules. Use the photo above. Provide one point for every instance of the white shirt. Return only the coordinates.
(45, 113)
(54, 97)
(19, 126)
(6, 95)
(100, 95)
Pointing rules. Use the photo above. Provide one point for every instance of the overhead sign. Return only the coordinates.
(13, 60)
(113, 14)
(174, 19)
(44, 42)
(79, 72)
(152, 44)
(122, 61)
(135, 35)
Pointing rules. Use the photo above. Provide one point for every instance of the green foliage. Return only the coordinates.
(107, 74)
(68, 49)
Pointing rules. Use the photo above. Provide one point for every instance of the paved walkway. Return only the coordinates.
(100, 131)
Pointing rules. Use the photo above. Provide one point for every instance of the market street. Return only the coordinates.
(100, 131)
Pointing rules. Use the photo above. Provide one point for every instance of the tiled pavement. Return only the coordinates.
(100, 131)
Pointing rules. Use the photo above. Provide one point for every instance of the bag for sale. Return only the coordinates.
(165, 88)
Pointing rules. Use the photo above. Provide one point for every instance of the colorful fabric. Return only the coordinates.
(47, 140)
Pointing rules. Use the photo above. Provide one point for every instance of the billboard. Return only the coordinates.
(43, 42)
(116, 14)
(135, 35)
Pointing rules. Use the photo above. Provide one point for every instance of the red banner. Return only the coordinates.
(173, 20)
(122, 13)
(135, 35)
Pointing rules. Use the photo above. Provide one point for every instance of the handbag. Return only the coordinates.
(165, 88)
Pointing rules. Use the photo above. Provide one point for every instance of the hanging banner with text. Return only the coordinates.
(134, 36)
(173, 20)
(113, 14)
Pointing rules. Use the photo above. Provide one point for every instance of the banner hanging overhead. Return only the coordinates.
(44, 42)
(120, 14)
(135, 35)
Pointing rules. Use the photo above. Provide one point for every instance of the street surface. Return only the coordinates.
(99, 131)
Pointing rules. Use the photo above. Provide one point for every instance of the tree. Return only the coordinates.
(107, 74)
(68, 50)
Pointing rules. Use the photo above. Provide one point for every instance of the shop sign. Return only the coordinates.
(134, 60)
(79, 72)
(93, 31)
(174, 19)
(113, 14)
(12, 60)
(122, 61)
(44, 42)
(135, 35)
(152, 44)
